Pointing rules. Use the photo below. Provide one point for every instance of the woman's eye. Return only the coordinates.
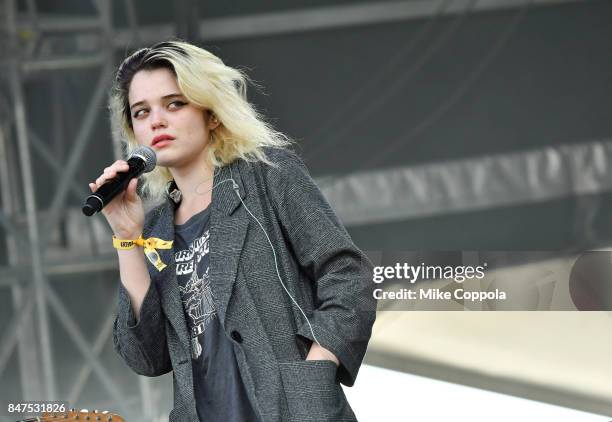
(138, 113)
(177, 104)
(173, 104)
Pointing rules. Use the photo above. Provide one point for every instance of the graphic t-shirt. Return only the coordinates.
(219, 391)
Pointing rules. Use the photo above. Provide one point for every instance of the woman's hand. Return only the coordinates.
(320, 353)
(125, 213)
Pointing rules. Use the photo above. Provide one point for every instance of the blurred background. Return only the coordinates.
(454, 125)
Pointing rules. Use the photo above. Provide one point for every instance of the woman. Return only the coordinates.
(251, 290)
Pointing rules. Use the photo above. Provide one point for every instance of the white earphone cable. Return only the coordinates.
(236, 189)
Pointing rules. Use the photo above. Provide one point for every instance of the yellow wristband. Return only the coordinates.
(124, 244)
(150, 248)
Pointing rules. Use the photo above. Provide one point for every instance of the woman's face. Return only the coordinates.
(159, 110)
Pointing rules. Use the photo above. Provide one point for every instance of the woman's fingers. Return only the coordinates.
(111, 171)
(131, 190)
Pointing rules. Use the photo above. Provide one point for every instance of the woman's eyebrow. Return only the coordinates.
(165, 97)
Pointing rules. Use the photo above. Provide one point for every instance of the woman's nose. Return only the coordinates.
(158, 119)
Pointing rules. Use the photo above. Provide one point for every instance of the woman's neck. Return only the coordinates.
(195, 183)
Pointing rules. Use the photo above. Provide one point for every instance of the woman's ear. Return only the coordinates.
(213, 121)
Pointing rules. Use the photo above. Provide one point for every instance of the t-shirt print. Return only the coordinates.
(196, 294)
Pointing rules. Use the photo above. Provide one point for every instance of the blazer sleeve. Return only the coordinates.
(344, 309)
(142, 344)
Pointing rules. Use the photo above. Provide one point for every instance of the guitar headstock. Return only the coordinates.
(80, 415)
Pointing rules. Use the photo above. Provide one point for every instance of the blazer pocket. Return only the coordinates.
(312, 392)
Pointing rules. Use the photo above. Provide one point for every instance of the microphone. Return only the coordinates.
(141, 160)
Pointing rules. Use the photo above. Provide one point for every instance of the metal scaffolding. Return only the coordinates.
(30, 44)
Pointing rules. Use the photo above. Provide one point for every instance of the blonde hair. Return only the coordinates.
(208, 83)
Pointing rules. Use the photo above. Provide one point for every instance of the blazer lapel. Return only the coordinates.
(167, 282)
(227, 234)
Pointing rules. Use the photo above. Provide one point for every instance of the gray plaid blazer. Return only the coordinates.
(320, 265)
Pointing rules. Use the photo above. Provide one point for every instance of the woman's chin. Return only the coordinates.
(165, 161)
(172, 162)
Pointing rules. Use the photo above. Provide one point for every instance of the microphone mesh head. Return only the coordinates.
(148, 155)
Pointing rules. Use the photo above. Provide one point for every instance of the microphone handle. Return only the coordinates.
(111, 188)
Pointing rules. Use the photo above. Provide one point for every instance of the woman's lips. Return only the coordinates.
(161, 144)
